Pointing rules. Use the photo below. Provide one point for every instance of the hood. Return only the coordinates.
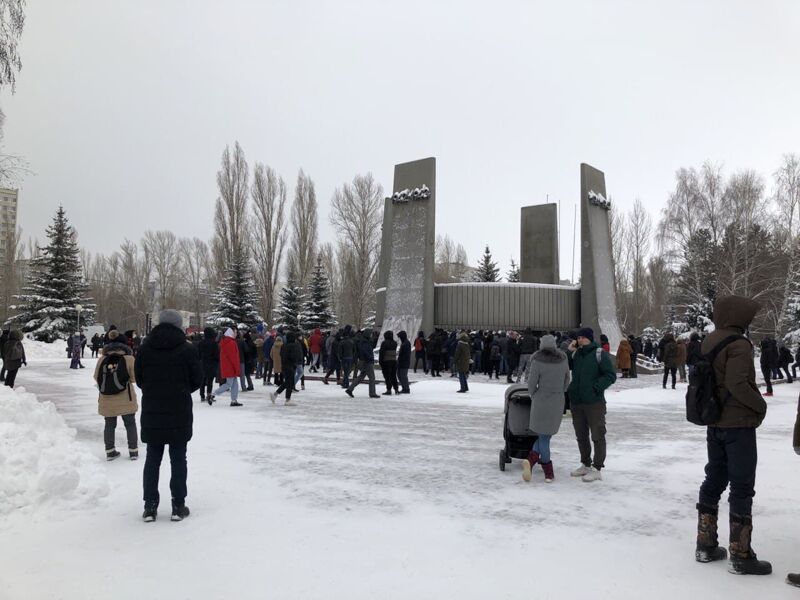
(669, 338)
(278, 341)
(117, 348)
(402, 335)
(166, 336)
(549, 355)
(230, 333)
(388, 335)
(734, 311)
(463, 337)
(209, 333)
(347, 329)
(625, 344)
(421, 334)
(15, 334)
(317, 331)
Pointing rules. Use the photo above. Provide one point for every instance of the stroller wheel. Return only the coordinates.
(503, 460)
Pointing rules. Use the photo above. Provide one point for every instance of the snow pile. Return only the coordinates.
(41, 460)
(34, 349)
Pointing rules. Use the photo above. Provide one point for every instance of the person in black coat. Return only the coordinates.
(208, 349)
(784, 360)
(768, 362)
(404, 362)
(693, 352)
(3, 340)
(387, 358)
(796, 362)
(291, 358)
(168, 370)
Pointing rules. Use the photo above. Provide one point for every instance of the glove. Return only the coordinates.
(797, 450)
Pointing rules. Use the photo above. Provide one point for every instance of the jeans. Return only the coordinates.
(402, 376)
(177, 480)
(232, 384)
(476, 360)
(732, 459)
(299, 374)
(130, 428)
(590, 419)
(462, 379)
(365, 369)
(542, 446)
(523, 365)
(347, 366)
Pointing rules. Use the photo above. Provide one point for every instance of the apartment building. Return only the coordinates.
(8, 220)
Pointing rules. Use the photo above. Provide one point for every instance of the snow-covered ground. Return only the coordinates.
(393, 498)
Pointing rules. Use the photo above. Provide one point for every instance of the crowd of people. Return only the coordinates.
(560, 370)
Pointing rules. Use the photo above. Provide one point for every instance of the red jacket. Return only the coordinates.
(229, 358)
(315, 342)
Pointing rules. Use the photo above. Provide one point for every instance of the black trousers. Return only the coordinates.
(732, 459)
(670, 371)
(420, 356)
(767, 373)
(207, 386)
(177, 480)
(389, 369)
(130, 428)
(589, 422)
(11, 376)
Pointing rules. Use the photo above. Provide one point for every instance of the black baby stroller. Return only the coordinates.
(516, 422)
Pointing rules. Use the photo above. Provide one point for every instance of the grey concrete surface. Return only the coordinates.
(539, 244)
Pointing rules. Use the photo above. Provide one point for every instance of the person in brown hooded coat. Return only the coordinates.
(624, 352)
(731, 441)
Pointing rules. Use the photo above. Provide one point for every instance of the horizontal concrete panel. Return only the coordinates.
(506, 306)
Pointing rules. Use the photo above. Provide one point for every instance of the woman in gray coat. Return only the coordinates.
(547, 381)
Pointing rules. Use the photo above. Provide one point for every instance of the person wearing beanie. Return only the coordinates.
(230, 367)
(167, 370)
(114, 374)
(548, 379)
(592, 373)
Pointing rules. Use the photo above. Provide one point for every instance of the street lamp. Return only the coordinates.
(79, 308)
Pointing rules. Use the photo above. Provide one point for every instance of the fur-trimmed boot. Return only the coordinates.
(743, 560)
(528, 463)
(708, 549)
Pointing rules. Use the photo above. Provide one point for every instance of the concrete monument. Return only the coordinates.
(538, 243)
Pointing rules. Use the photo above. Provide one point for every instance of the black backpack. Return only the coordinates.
(703, 404)
(114, 376)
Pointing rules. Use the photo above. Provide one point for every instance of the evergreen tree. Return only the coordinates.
(235, 301)
(289, 313)
(697, 277)
(487, 270)
(46, 306)
(513, 273)
(317, 310)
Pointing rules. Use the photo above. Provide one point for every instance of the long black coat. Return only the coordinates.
(168, 370)
(208, 349)
(404, 355)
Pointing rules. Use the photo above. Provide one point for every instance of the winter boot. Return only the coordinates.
(179, 511)
(527, 464)
(387, 393)
(580, 471)
(743, 559)
(707, 549)
(149, 514)
(133, 453)
(549, 476)
(235, 403)
(112, 454)
(211, 400)
(793, 579)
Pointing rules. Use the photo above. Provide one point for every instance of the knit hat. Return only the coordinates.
(547, 342)
(171, 317)
(586, 332)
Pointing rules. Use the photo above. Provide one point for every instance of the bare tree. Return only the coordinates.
(164, 253)
(303, 252)
(194, 255)
(330, 264)
(12, 22)
(230, 215)
(134, 281)
(269, 233)
(640, 229)
(356, 213)
(451, 262)
(787, 201)
(12, 167)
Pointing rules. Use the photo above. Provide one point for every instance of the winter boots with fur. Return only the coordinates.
(707, 549)
(743, 559)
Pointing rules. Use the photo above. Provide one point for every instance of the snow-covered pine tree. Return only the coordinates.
(55, 286)
(513, 273)
(317, 309)
(487, 270)
(289, 313)
(234, 302)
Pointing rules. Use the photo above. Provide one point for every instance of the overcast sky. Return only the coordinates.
(123, 108)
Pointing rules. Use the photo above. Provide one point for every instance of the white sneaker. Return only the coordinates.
(272, 397)
(592, 475)
(581, 471)
(526, 470)
(289, 403)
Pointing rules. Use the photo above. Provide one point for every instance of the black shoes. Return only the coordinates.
(133, 453)
(179, 512)
(112, 454)
(149, 514)
(235, 403)
(349, 392)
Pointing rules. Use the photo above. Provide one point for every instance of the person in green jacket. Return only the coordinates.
(592, 373)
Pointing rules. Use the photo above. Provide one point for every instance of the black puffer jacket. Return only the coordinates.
(404, 355)
(168, 370)
(291, 354)
(208, 349)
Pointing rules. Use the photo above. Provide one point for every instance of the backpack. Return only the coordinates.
(418, 345)
(703, 404)
(114, 376)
